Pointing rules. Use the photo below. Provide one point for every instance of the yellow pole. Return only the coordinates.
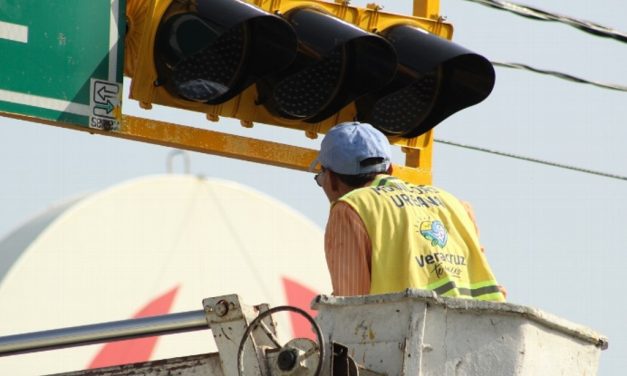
(427, 8)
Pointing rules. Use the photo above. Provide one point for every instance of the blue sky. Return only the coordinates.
(555, 238)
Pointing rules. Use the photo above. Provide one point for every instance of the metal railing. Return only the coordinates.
(103, 332)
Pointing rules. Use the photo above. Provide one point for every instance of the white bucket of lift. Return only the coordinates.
(417, 333)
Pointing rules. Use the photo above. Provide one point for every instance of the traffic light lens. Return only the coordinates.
(403, 109)
(210, 73)
(307, 92)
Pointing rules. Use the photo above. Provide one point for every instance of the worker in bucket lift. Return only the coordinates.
(385, 235)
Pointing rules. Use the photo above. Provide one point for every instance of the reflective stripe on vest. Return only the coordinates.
(422, 237)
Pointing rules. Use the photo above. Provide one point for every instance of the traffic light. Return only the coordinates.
(303, 64)
(213, 51)
(435, 79)
(336, 63)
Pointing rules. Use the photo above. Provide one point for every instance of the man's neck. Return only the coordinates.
(344, 188)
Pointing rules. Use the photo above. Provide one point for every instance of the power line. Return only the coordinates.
(541, 15)
(534, 160)
(564, 76)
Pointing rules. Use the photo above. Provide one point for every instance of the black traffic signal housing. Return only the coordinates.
(433, 82)
(336, 63)
(303, 64)
(212, 51)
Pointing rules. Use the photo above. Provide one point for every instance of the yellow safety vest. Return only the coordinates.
(422, 237)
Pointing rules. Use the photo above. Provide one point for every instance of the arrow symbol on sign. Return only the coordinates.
(14, 32)
(109, 107)
(105, 94)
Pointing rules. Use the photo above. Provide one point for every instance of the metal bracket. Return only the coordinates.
(228, 319)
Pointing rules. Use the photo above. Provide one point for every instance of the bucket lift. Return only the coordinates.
(414, 332)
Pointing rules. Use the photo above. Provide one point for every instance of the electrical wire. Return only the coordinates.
(542, 15)
(534, 160)
(564, 76)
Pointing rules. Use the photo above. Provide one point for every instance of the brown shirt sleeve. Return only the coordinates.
(348, 251)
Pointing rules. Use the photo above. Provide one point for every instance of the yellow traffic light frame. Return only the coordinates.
(144, 17)
(141, 29)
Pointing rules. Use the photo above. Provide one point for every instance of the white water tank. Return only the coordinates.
(151, 246)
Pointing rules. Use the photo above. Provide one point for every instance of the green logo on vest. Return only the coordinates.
(435, 232)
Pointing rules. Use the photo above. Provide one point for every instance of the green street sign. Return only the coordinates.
(62, 60)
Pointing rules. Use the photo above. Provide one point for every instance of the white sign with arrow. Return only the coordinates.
(105, 100)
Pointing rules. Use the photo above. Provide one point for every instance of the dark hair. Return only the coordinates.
(357, 181)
